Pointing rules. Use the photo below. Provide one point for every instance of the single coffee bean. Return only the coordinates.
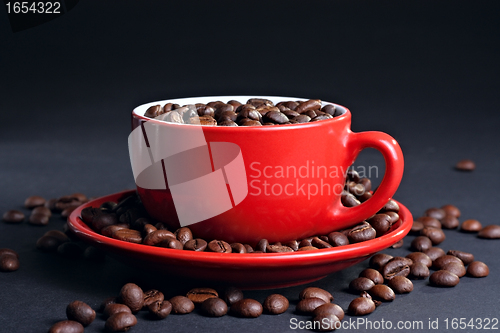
(420, 257)
(361, 233)
(111, 229)
(38, 219)
(106, 302)
(132, 296)
(471, 226)
(319, 243)
(379, 260)
(160, 309)
(219, 246)
(42, 210)
(9, 251)
(428, 221)
(456, 268)
(421, 244)
(337, 239)
(382, 293)
(196, 244)
(114, 308)
(381, 223)
(275, 304)
(329, 308)
(204, 110)
(444, 278)
(247, 308)
(158, 236)
(248, 122)
(70, 250)
(436, 213)
(373, 275)
(13, 216)
(436, 235)
(232, 295)
(262, 245)
(307, 248)
(47, 244)
(394, 217)
(440, 262)
(214, 307)
(312, 104)
(400, 285)
(294, 245)
(326, 322)
(349, 200)
(310, 292)
(67, 326)
(184, 235)
(152, 296)
(321, 116)
(466, 258)
(361, 284)
(8, 262)
(181, 305)
(34, 201)
(128, 235)
(308, 305)
(199, 295)
(147, 229)
(278, 249)
(449, 222)
(451, 210)
(238, 248)
(397, 266)
(490, 232)
(153, 111)
(88, 214)
(398, 244)
(80, 312)
(391, 205)
(478, 269)
(361, 306)
(416, 227)
(419, 271)
(103, 220)
(120, 322)
(465, 165)
(434, 253)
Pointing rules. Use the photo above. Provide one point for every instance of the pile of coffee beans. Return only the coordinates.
(255, 112)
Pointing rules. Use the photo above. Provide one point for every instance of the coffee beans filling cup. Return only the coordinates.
(266, 178)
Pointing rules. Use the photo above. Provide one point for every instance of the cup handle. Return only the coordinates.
(393, 156)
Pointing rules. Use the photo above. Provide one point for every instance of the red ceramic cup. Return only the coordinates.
(280, 182)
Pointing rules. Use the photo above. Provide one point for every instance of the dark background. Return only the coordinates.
(425, 72)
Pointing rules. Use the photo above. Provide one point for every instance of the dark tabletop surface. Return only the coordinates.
(425, 72)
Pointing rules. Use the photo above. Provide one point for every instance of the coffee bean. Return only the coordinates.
(382, 293)
(88, 214)
(373, 275)
(436, 235)
(391, 205)
(421, 244)
(436, 213)
(361, 284)
(204, 110)
(326, 322)
(199, 295)
(196, 244)
(232, 295)
(153, 111)
(160, 309)
(310, 292)
(478, 269)
(465, 165)
(114, 308)
(381, 223)
(181, 305)
(106, 302)
(394, 217)
(262, 245)
(421, 258)
(152, 296)
(329, 308)
(456, 268)
(443, 278)
(120, 322)
(440, 262)
(275, 304)
(248, 122)
(102, 220)
(361, 306)
(419, 271)
(70, 250)
(294, 245)
(449, 222)
(307, 248)
(400, 285)
(219, 246)
(398, 244)
(490, 232)
(128, 235)
(107, 207)
(9, 262)
(379, 260)
(308, 305)
(428, 221)
(132, 296)
(416, 227)
(278, 249)
(466, 258)
(38, 219)
(158, 236)
(47, 244)
(451, 210)
(110, 230)
(13, 216)
(312, 104)
(349, 200)
(9, 251)
(337, 239)
(67, 326)
(259, 102)
(34, 201)
(319, 243)
(361, 233)
(397, 266)
(471, 226)
(434, 253)
(183, 235)
(247, 308)
(80, 312)
(214, 307)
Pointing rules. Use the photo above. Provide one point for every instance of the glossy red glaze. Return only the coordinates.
(258, 271)
(329, 143)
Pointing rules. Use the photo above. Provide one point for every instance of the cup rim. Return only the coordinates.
(145, 106)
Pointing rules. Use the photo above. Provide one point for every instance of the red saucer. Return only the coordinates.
(257, 271)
